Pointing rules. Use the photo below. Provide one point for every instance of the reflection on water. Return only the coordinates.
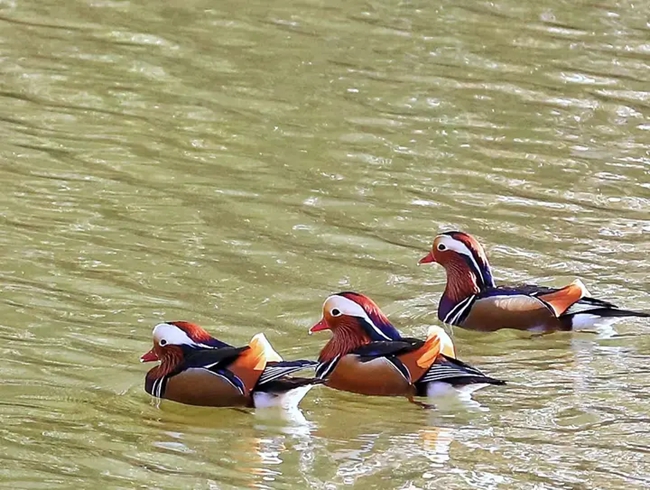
(273, 440)
(233, 165)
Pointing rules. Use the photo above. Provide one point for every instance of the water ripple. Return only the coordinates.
(234, 165)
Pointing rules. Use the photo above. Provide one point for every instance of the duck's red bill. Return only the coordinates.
(149, 357)
(322, 325)
(428, 259)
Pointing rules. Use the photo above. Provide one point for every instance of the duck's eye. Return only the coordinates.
(162, 342)
(442, 247)
(335, 312)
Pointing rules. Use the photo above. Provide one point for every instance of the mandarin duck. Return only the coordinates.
(367, 355)
(198, 369)
(471, 299)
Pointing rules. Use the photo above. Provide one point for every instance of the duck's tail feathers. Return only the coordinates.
(276, 370)
(602, 317)
(598, 307)
(456, 372)
(614, 313)
(286, 393)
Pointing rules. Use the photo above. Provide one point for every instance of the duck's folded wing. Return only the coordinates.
(519, 307)
(212, 358)
(289, 383)
(453, 371)
(527, 289)
(387, 348)
(277, 370)
(573, 299)
(592, 307)
(559, 300)
(492, 310)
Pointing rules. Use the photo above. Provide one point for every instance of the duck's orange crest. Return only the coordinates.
(196, 333)
(470, 242)
(375, 314)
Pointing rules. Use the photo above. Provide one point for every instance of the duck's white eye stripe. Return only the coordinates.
(346, 306)
(171, 335)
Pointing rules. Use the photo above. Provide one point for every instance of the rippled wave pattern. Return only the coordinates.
(234, 163)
